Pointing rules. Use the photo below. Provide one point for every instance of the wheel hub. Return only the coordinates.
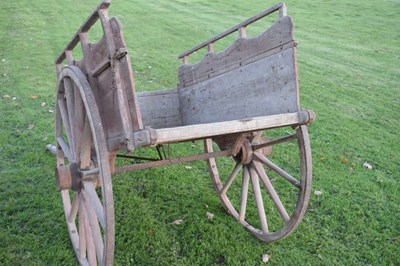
(245, 154)
(69, 177)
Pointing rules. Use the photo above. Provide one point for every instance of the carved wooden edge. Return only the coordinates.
(282, 12)
(243, 51)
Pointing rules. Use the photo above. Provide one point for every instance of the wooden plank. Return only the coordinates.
(243, 51)
(199, 131)
(160, 109)
(265, 87)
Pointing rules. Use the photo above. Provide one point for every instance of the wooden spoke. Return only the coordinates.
(90, 248)
(65, 119)
(86, 146)
(64, 146)
(274, 142)
(96, 203)
(70, 106)
(90, 172)
(258, 198)
(82, 232)
(243, 198)
(94, 227)
(74, 208)
(79, 122)
(260, 157)
(274, 196)
(232, 177)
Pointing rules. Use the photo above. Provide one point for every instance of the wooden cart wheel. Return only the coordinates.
(83, 170)
(260, 188)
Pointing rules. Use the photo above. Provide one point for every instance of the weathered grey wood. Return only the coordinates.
(200, 131)
(265, 87)
(243, 51)
(248, 21)
(160, 109)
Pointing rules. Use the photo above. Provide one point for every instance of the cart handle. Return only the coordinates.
(241, 27)
(90, 21)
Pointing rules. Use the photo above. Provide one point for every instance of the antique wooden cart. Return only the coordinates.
(243, 102)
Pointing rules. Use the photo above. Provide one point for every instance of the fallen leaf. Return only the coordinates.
(323, 159)
(210, 216)
(367, 165)
(177, 222)
(188, 167)
(5, 96)
(151, 232)
(30, 126)
(265, 258)
(345, 160)
(43, 104)
(34, 97)
(317, 193)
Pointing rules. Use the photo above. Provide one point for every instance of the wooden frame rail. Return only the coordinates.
(241, 27)
(90, 21)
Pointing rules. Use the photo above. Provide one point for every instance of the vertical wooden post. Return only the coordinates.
(210, 47)
(283, 10)
(70, 58)
(242, 32)
(186, 59)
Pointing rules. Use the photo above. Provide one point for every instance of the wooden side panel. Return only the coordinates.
(265, 87)
(99, 52)
(160, 109)
(109, 106)
(241, 52)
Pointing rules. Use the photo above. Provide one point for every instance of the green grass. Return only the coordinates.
(349, 66)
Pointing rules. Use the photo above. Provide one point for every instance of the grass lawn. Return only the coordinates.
(349, 67)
